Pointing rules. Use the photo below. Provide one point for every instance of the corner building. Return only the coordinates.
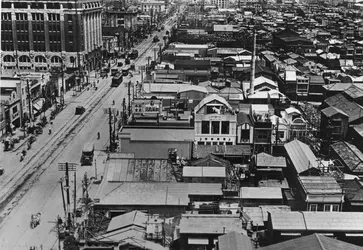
(39, 35)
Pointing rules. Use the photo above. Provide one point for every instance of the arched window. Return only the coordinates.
(24, 58)
(40, 59)
(9, 58)
(56, 59)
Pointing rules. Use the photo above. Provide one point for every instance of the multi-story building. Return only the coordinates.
(39, 35)
(215, 122)
(221, 3)
(156, 6)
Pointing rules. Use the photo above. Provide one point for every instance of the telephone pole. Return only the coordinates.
(110, 126)
(29, 102)
(129, 96)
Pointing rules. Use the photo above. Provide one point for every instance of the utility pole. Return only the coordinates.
(129, 96)
(64, 202)
(277, 133)
(66, 167)
(75, 195)
(29, 102)
(110, 126)
(68, 198)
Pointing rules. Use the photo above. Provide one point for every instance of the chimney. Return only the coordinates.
(253, 65)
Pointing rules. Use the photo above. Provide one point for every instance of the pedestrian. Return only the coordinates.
(49, 130)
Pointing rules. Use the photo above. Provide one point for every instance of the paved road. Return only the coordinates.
(38, 175)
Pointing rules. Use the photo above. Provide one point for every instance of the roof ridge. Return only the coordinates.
(319, 241)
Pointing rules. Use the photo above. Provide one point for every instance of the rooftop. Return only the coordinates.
(320, 185)
(352, 109)
(266, 160)
(210, 224)
(153, 193)
(260, 193)
(134, 218)
(177, 134)
(312, 242)
(197, 171)
(201, 151)
(317, 221)
(233, 241)
(301, 155)
(350, 155)
(139, 170)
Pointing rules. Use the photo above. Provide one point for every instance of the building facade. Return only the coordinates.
(39, 35)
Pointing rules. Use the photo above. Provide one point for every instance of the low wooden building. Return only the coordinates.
(204, 174)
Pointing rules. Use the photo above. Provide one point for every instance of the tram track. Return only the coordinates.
(21, 181)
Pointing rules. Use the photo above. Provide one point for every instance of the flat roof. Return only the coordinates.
(153, 193)
(199, 171)
(318, 221)
(260, 193)
(320, 185)
(210, 224)
(266, 160)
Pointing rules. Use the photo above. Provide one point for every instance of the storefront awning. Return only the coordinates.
(38, 104)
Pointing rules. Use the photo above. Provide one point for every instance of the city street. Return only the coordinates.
(38, 175)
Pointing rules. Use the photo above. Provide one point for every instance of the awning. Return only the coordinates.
(38, 104)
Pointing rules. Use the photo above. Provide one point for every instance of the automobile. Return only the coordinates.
(87, 154)
(104, 74)
(127, 61)
(114, 72)
(80, 110)
(156, 39)
(107, 70)
(120, 64)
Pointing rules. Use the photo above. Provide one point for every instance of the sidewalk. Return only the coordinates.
(24, 137)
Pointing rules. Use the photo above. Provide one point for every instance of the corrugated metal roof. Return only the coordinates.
(354, 92)
(243, 118)
(153, 193)
(287, 221)
(135, 218)
(233, 241)
(320, 185)
(350, 155)
(255, 215)
(198, 171)
(260, 193)
(312, 242)
(201, 151)
(210, 224)
(301, 155)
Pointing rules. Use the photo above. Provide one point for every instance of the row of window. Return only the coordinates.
(50, 5)
(215, 127)
(214, 143)
(327, 207)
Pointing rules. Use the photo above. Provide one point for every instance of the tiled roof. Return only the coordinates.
(264, 159)
(301, 156)
(201, 151)
(350, 155)
(331, 111)
(352, 109)
(312, 242)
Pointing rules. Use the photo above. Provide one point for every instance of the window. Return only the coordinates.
(313, 207)
(205, 127)
(215, 127)
(245, 134)
(200, 143)
(302, 88)
(15, 109)
(225, 127)
(280, 134)
(331, 208)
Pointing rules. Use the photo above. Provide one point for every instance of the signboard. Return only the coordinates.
(71, 166)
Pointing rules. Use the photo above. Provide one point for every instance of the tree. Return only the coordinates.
(70, 243)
